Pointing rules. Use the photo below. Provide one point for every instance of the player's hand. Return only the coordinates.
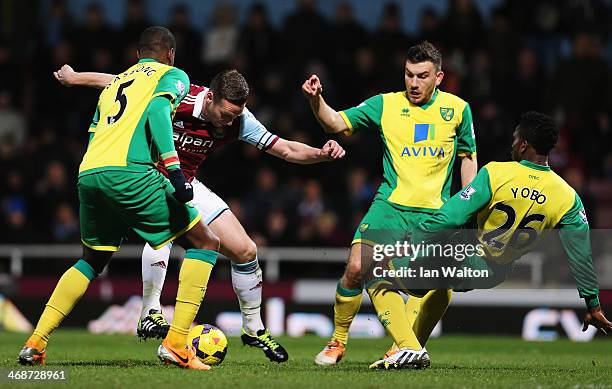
(312, 87)
(65, 75)
(183, 191)
(332, 150)
(596, 318)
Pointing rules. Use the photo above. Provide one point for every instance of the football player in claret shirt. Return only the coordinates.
(423, 130)
(207, 119)
(512, 203)
(120, 189)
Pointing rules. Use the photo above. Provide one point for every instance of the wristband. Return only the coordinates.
(171, 160)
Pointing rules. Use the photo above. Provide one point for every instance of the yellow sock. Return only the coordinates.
(413, 305)
(346, 307)
(68, 291)
(432, 307)
(193, 278)
(391, 312)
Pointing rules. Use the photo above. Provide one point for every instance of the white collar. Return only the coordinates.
(197, 106)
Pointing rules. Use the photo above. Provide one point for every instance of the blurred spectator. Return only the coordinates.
(363, 67)
(583, 102)
(360, 190)
(12, 123)
(345, 37)
(13, 194)
(188, 40)
(390, 38)
(221, 37)
(135, 21)
(304, 35)
(575, 178)
(311, 205)
(54, 188)
(524, 89)
(463, 26)
(66, 224)
(479, 84)
(93, 34)
(328, 232)
(258, 40)
(261, 198)
(18, 228)
(390, 44)
(502, 44)
(58, 24)
(11, 74)
(429, 27)
(277, 228)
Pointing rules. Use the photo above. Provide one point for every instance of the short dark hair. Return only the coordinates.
(231, 86)
(539, 130)
(155, 40)
(425, 51)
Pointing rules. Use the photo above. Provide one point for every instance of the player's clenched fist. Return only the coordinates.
(312, 87)
(64, 75)
(333, 150)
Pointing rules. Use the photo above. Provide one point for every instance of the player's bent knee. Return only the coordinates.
(212, 242)
(352, 274)
(96, 259)
(247, 252)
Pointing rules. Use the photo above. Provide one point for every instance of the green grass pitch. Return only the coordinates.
(114, 361)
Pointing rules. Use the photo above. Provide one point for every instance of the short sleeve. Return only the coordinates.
(366, 115)
(466, 136)
(173, 84)
(255, 133)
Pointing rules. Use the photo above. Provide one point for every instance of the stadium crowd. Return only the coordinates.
(550, 56)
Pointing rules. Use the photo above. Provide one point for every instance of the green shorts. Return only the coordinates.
(112, 202)
(387, 224)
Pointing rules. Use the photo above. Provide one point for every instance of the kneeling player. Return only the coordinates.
(501, 215)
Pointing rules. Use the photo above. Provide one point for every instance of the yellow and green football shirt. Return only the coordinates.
(121, 137)
(513, 202)
(420, 144)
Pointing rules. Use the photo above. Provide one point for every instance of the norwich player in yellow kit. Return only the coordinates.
(121, 189)
(513, 202)
(423, 130)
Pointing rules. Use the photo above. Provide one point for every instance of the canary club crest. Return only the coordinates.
(364, 227)
(447, 113)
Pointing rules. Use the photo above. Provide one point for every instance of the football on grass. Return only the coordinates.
(209, 342)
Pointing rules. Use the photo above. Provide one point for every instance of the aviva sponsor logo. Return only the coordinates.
(423, 132)
(423, 151)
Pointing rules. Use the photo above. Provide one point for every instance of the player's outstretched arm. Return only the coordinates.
(297, 152)
(575, 237)
(328, 118)
(68, 77)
